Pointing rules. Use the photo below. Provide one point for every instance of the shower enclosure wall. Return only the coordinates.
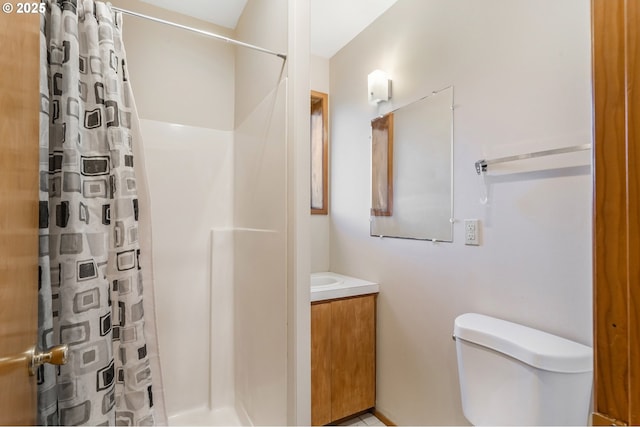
(214, 124)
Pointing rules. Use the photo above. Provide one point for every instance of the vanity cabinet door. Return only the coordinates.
(321, 364)
(353, 356)
(343, 358)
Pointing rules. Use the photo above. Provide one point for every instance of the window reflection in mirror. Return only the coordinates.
(421, 196)
(319, 152)
(382, 165)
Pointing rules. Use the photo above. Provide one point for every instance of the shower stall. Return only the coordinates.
(218, 123)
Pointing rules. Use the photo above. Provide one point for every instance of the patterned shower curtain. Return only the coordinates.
(91, 290)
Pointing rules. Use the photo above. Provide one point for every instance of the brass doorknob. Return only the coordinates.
(56, 355)
(31, 360)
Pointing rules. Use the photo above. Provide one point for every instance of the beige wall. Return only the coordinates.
(178, 76)
(263, 23)
(521, 75)
(260, 193)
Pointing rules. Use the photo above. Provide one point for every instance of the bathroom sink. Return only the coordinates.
(321, 281)
(329, 285)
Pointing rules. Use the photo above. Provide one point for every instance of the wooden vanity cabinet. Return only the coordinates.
(343, 357)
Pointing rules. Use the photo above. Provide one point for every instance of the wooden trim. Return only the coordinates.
(603, 420)
(610, 263)
(616, 251)
(381, 153)
(320, 105)
(379, 415)
(632, 69)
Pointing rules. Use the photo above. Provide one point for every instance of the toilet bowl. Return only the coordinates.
(511, 374)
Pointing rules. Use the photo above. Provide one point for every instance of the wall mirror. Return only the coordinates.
(411, 170)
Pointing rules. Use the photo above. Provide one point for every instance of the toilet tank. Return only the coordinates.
(515, 375)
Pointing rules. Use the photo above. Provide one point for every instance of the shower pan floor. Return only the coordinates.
(206, 417)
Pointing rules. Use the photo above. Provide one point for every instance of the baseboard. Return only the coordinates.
(383, 418)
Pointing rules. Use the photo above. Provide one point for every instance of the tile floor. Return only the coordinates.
(363, 420)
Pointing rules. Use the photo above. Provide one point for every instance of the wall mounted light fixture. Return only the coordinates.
(379, 87)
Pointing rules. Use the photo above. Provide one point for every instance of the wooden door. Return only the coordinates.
(353, 355)
(19, 107)
(616, 74)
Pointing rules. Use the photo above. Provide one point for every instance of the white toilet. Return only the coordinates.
(514, 375)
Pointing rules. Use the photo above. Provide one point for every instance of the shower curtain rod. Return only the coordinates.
(202, 32)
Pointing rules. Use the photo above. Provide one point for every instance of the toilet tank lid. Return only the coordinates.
(531, 346)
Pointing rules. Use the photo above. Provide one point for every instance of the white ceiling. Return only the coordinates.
(220, 12)
(334, 23)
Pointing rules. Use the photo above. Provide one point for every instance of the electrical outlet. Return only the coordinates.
(471, 232)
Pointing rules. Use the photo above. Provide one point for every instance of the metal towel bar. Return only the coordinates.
(481, 165)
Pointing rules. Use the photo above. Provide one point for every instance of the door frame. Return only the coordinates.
(616, 211)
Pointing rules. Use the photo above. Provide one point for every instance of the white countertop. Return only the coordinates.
(339, 286)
